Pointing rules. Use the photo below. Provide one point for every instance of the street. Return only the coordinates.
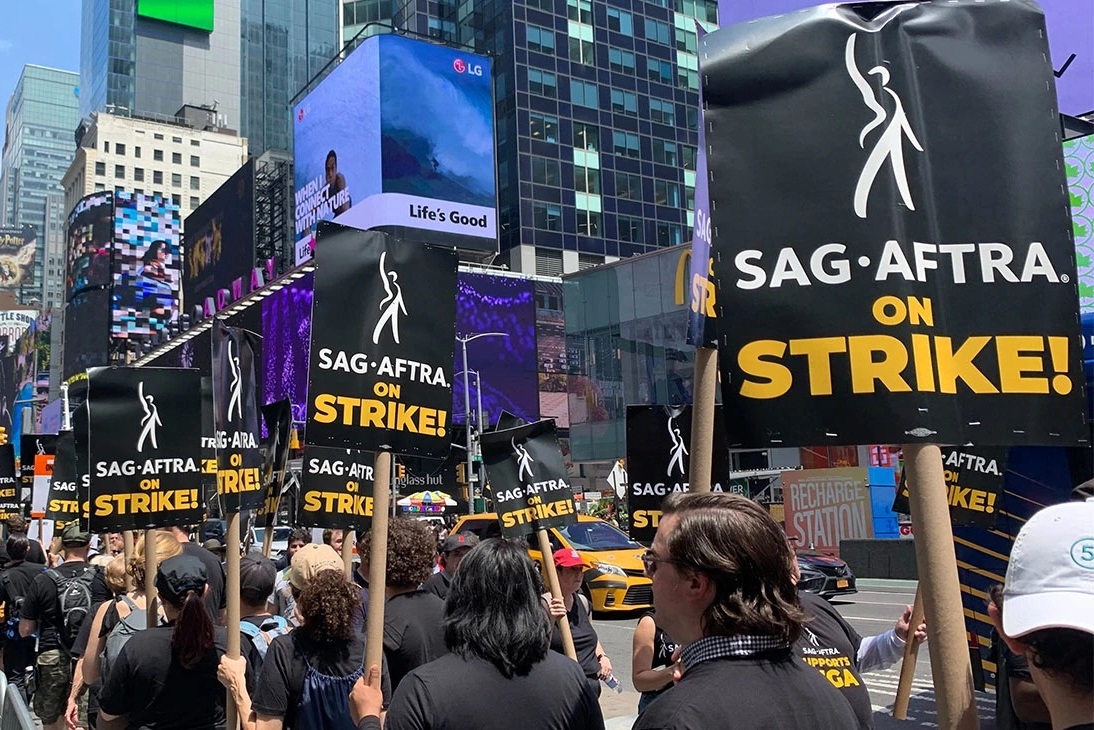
(870, 611)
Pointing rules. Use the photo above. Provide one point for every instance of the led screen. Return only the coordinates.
(191, 13)
(146, 265)
(87, 331)
(286, 342)
(90, 236)
(17, 249)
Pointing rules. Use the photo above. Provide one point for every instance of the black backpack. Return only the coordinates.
(74, 600)
(12, 609)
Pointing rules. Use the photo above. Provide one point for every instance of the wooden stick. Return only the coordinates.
(702, 419)
(151, 566)
(377, 567)
(232, 589)
(127, 538)
(267, 541)
(941, 589)
(556, 591)
(907, 666)
(347, 551)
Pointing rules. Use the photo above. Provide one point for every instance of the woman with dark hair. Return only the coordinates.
(15, 583)
(166, 677)
(500, 673)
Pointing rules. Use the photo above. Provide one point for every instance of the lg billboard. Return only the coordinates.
(399, 137)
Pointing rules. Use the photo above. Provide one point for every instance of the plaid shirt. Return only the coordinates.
(716, 647)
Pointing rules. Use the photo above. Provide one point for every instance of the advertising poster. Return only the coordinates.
(1079, 167)
(275, 450)
(400, 135)
(87, 331)
(11, 502)
(383, 328)
(908, 298)
(236, 419)
(658, 463)
(14, 323)
(823, 506)
(68, 493)
(974, 483)
(528, 479)
(17, 248)
(219, 248)
(147, 268)
(336, 489)
(144, 441)
(90, 241)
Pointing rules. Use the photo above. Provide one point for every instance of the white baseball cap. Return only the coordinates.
(1050, 578)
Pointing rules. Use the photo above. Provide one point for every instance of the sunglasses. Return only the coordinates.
(650, 561)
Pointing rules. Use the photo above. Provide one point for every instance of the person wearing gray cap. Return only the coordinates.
(166, 677)
(453, 549)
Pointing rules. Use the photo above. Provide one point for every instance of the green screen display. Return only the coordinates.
(191, 13)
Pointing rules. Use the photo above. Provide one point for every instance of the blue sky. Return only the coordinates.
(45, 33)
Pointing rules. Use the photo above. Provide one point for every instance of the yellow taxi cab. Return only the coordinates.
(614, 580)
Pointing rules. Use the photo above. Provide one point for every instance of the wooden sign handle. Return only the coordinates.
(907, 666)
(377, 567)
(556, 591)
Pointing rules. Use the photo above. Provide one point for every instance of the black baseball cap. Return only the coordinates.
(459, 540)
(180, 574)
(257, 573)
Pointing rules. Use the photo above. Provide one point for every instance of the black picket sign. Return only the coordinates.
(68, 493)
(210, 498)
(10, 498)
(31, 446)
(82, 461)
(383, 330)
(278, 419)
(974, 483)
(235, 418)
(528, 479)
(896, 270)
(336, 489)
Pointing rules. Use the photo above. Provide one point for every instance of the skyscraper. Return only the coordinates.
(38, 147)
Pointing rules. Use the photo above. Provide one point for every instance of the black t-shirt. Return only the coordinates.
(215, 600)
(437, 584)
(585, 639)
(154, 691)
(830, 645)
(282, 678)
(453, 693)
(35, 553)
(250, 652)
(15, 581)
(42, 604)
(663, 649)
(413, 632)
(774, 691)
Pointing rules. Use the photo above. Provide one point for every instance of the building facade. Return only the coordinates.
(38, 148)
(358, 14)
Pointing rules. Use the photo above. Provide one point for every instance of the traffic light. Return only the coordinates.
(3, 435)
(400, 471)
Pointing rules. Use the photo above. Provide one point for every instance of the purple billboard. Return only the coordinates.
(286, 341)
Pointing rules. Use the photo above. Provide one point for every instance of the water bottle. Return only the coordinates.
(613, 684)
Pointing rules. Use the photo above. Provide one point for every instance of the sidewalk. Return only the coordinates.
(619, 710)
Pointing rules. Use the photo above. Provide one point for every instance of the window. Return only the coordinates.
(669, 234)
(157, 136)
(625, 143)
(701, 9)
(583, 93)
(545, 171)
(99, 186)
(588, 261)
(687, 40)
(119, 171)
(628, 186)
(176, 158)
(176, 180)
(106, 147)
(689, 197)
(657, 32)
(582, 51)
(195, 161)
(666, 193)
(194, 202)
(664, 152)
(663, 111)
(542, 83)
(547, 216)
(195, 182)
(580, 11)
(687, 78)
(588, 223)
(620, 21)
(177, 140)
(548, 263)
(630, 229)
(693, 118)
(119, 148)
(176, 199)
(100, 168)
(586, 136)
(586, 180)
(138, 174)
(543, 127)
(687, 154)
(624, 102)
(136, 151)
(545, 5)
(157, 155)
(620, 60)
(195, 143)
(541, 39)
(659, 70)
(157, 178)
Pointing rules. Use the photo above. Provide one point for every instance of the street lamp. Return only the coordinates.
(467, 410)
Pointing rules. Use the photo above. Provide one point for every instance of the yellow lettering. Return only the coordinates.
(771, 379)
(818, 352)
(1014, 363)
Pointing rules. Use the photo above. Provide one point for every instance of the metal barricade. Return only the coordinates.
(14, 713)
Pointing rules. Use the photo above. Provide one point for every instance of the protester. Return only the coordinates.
(575, 607)
(15, 582)
(216, 547)
(166, 677)
(360, 576)
(453, 549)
(17, 525)
(115, 543)
(652, 660)
(55, 608)
(298, 538)
(1048, 609)
(413, 630)
(257, 625)
(334, 538)
(1018, 704)
(500, 673)
(282, 603)
(215, 598)
(723, 589)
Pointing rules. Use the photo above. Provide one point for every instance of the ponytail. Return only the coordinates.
(193, 635)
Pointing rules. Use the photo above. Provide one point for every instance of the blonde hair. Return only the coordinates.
(115, 574)
(167, 546)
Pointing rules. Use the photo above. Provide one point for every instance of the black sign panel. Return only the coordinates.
(208, 448)
(33, 447)
(383, 328)
(80, 446)
(897, 270)
(10, 501)
(235, 416)
(974, 483)
(275, 454)
(658, 464)
(68, 493)
(528, 479)
(145, 448)
(336, 489)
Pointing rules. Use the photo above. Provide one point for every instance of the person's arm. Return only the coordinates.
(232, 673)
(267, 722)
(644, 677)
(91, 654)
(883, 650)
(366, 702)
(72, 712)
(605, 662)
(28, 616)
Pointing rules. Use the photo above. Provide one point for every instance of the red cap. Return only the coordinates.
(568, 559)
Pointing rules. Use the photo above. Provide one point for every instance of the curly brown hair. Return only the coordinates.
(411, 549)
(328, 605)
(167, 546)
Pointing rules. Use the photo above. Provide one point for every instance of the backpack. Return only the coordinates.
(12, 610)
(134, 621)
(74, 599)
(262, 636)
(324, 700)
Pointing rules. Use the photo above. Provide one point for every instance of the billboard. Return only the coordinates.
(824, 506)
(14, 322)
(286, 333)
(90, 239)
(87, 331)
(197, 14)
(551, 359)
(17, 247)
(146, 265)
(219, 242)
(399, 137)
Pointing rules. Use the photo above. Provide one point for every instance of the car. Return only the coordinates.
(280, 542)
(616, 580)
(824, 574)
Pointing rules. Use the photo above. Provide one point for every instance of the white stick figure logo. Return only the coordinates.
(391, 304)
(235, 402)
(890, 143)
(151, 420)
(678, 450)
(41, 449)
(524, 460)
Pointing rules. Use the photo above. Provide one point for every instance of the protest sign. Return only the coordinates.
(31, 445)
(235, 419)
(823, 506)
(43, 472)
(144, 442)
(885, 288)
(10, 501)
(68, 491)
(658, 463)
(336, 489)
(528, 479)
(974, 483)
(383, 330)
(278, 418)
